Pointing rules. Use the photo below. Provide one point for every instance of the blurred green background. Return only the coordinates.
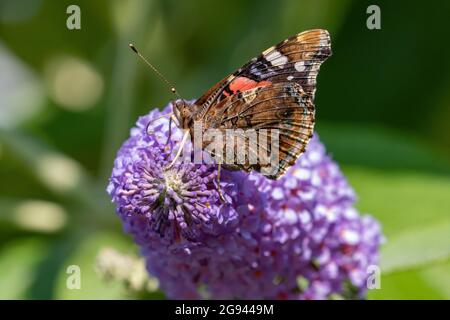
(69, 97)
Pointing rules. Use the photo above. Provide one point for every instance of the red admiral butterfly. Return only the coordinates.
(274, 91)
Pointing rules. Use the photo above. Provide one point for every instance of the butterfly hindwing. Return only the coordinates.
(281, 115)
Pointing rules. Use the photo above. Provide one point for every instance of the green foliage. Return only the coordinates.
(382, 110)
(92, 286)
(19, 260)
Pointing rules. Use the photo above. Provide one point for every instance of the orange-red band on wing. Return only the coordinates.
(243, 84)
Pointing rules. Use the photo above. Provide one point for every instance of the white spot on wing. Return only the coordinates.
(290, 78)
(323, 42)
(267, 51)
(276, 58)
(299, 66)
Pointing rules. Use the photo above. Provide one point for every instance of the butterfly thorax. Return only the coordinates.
(184, 111)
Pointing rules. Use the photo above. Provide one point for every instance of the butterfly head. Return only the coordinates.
(183, 112)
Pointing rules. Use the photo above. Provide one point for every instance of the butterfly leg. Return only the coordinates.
(156, 119)
(174, 119)
(219, 189)
(183, 142)
(170, 131)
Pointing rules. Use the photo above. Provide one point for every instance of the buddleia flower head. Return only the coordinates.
(298, 237)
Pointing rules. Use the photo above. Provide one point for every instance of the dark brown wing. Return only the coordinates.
(281, 116)
(296, 59)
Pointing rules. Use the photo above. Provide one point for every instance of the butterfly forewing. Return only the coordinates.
(281, 111)
(272, 95)
(296, 59)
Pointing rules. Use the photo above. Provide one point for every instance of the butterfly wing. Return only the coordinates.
(296, 59)
(279, 116)
(271, 96)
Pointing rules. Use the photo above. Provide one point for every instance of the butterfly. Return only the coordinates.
(273, 91)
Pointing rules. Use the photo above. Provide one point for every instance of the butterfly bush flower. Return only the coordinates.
(298, 237)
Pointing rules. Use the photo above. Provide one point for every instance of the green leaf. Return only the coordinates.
(51, 262)
(56, 171)
(400, 200)
(32, 215)
(416, 248)
(378, 147)
(438, 277)
(92, 286)
(405, 285)
(18, 260)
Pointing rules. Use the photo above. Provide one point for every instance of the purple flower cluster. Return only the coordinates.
(295, 238)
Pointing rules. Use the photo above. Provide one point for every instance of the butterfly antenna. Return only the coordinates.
(172, 88)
